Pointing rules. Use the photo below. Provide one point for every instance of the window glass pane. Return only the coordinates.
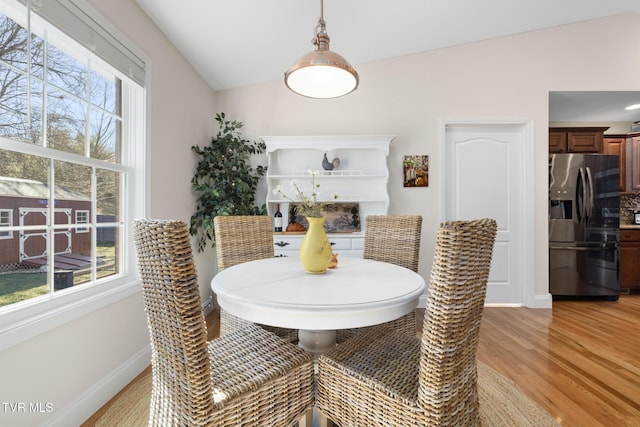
(36, 109)
(103, 92)
(109, 222)
(6, 220)
(82, 217)
(104, 136)
(65, 122)
(72, 194)
(24, 192)
(74, 260)
(108, 194)
(14, 108)
(13, 105)
(13, 43)
(108, 247)
(73, 185)
(30, 173)
(66, 72)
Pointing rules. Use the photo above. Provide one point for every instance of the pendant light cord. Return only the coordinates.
(320, 37)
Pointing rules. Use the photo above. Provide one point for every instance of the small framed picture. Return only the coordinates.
(416, 171)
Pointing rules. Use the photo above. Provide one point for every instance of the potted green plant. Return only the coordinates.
(225, 182)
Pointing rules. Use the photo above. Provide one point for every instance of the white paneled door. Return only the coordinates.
(485, 170)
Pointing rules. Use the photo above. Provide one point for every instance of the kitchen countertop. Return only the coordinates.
(630, 226)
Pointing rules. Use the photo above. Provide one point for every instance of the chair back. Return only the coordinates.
(448, 389)
(394, 239)
(242, 238)
(180, 363)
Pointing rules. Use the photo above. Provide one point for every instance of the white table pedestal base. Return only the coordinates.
(316, 342)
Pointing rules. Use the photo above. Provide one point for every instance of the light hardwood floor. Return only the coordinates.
(579, 360)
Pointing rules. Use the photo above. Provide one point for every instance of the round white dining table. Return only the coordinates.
(278, 292)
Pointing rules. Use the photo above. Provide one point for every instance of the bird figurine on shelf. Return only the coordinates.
(329, 166)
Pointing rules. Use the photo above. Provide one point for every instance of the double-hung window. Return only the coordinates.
(71, 153)
(82, 217)
(6, 221)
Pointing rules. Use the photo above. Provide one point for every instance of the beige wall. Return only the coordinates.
(81, 364)
(504, 78)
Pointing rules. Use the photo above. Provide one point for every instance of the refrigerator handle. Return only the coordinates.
(589, 203)
(581, 196)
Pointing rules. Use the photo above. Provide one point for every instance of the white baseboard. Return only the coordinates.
(502, 304)
(87, 404)
(542, 301)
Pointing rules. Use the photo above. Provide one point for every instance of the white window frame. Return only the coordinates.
(30, 318)
(82, 217)
(4, 235)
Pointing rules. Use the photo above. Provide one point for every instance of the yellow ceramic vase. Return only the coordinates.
(315, 248)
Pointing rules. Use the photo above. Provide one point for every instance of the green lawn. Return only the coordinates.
(16, 287)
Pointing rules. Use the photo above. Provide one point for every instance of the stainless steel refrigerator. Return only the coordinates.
(584, 226)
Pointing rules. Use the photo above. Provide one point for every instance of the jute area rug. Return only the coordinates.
(502, 404)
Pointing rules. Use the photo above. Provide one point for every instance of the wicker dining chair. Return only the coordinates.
(243, 238)
(392, 379)
(394, 239)
(248, 378)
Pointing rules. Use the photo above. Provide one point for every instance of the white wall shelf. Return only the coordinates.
(361, 177)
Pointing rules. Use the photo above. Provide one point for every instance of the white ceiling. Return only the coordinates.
(243, 42)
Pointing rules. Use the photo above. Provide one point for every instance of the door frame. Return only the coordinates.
(526, 226)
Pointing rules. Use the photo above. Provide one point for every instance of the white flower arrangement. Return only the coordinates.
(310, 205)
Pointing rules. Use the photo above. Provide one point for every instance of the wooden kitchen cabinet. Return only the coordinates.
(633, 163)
(617, 145)
(557, 142)
(630, 259)
(576, 140)
(585, 142)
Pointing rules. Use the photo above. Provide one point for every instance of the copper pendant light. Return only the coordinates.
(321, 73)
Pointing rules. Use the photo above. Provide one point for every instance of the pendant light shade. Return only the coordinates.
(321, 73)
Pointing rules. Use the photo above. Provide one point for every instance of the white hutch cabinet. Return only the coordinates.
(361, 178)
